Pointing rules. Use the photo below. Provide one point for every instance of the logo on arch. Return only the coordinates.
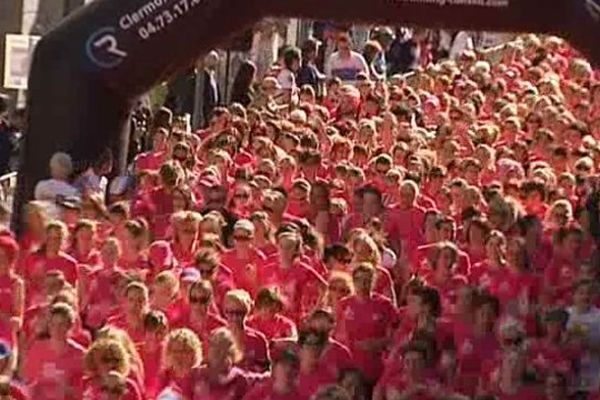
(102, 47)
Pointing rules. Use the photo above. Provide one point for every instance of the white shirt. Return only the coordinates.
(346, 68)
(589, 324)
(463, 41)
(49, 189)
(286, 79)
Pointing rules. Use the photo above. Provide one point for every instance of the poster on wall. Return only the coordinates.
(17, 60)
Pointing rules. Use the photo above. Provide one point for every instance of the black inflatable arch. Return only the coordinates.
(87, 72)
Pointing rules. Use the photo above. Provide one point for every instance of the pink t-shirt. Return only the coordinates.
(365, 319)
(34, 270)
(275, 327)
(53, 376)
(103, 298)
(8, 285)
(300, 286)
(152, 358)
(256, 351)
(265, 391)
(93, 392)
(245, 270)
(231, 386)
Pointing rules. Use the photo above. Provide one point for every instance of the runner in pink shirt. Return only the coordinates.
(54, 367)
(12, 291)
(165, 295)
(263, 234)
(405, 221)
(49, 257)
(101, 297)
(107, 369)
(186, 231)
(133, 245)
(84, 249)
(313, 373)
(136, 305)
(208, 263)
(253, 344)
(201, 316)
(366, 323)
(335, 356)
(220, 379)
(244, 260)
(182, 356)
(156, 327)
(152, 160)
(267, 317)
(283, 384)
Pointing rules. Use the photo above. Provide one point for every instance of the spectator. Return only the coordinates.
(211, 96)
(58, 186)
(309, 74)
(242, 91)
(345, 63)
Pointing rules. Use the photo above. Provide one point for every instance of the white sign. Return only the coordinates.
(17, 60)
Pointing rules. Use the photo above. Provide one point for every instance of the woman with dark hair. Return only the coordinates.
(242, 91)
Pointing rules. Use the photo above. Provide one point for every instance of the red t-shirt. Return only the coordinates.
(310, 382)
(275, 327)
(546, 356)
(265, 391)
(364, 319)
(300, 286)
(8, 285)
(152, 358)
(103, 297)
(202, 328)
(231, 386)
(34, 271)
(256, 351)
(120, 321)
(93, 391)
(245, 271)
(53, 376)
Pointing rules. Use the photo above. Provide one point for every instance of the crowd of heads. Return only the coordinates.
(432, 236)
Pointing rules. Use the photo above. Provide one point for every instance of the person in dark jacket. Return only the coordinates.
(242, 91)
(211, 95)
(309, 74)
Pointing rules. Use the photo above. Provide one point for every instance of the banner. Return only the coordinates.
(17, 60)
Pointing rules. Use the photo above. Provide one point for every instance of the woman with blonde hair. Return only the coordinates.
(51, 256)
(220, 378)
(35, 220)
(183, 355)
(186, 231)
(103, 359)
(253, 344)
(136, 365)
(339, 286)
(365, 250)
(263, 237)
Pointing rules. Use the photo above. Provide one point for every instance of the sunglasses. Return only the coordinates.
(241, 238)
(338, 289)
(343, 39)
(512, 342)
(200, 299)
(110, 360)
(241, 196)
(235, 313)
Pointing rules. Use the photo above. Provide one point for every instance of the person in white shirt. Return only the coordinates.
(462, 42)
(58, 185)
(584, 326)
(345, 63)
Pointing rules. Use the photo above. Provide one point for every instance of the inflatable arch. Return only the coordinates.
(88, 71)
